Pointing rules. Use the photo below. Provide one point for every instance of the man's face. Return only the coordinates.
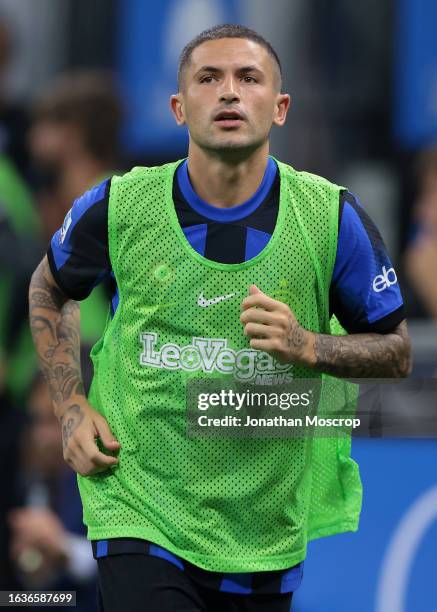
(230, 95)
(50, 142)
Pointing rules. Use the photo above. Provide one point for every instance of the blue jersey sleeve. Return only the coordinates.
(78, 253)
(365, 294)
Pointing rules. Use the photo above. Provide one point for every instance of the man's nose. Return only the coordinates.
(229, 91)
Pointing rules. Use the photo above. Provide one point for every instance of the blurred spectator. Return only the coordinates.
(19, 249)
(19, 254)
(48, 541)
(13, 149)
(14, 121)
(73, 140)
(421, 255)
(74, 145)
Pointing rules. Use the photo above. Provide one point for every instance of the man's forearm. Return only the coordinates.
(55, 325)
(361, 355)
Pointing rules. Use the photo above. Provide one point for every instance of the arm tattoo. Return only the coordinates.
(365, 355)
(70, 421)
(55, 326)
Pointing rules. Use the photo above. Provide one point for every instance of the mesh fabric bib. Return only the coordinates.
(225, 504)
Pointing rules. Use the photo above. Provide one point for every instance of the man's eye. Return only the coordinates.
(249, 79)
(206, 79)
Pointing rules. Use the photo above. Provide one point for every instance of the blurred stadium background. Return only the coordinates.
(84, 90)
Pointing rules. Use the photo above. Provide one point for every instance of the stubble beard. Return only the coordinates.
(230, 148)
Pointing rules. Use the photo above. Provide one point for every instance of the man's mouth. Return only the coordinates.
(229, 119)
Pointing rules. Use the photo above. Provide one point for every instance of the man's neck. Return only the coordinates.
(224, 183)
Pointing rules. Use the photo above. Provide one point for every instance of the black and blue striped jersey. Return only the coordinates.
(364, 294)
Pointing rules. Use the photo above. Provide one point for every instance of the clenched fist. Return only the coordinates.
(273, 328)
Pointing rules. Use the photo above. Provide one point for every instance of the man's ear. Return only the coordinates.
(177, 108)
(281, 109)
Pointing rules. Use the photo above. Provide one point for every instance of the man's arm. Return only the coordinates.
(55, 325)
(361, 355)
(273, 328)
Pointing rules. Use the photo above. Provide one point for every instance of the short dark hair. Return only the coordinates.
(226, 30)
(88, 100)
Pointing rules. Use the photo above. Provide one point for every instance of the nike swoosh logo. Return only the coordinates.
(203, 302)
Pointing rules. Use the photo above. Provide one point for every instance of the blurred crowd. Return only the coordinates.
(421, 253)
(51, 152)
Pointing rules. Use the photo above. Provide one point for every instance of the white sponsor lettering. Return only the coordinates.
(65, 226)
(212, 355)
(384, 280)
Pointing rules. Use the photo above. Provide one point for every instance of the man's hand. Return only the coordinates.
(81, 425)
(273, 328)
(55, 325)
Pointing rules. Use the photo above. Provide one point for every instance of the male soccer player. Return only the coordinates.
(200, 523)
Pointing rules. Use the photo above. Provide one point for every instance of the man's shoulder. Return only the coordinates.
(308, 179)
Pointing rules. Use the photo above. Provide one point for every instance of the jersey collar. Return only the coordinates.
(226, 215)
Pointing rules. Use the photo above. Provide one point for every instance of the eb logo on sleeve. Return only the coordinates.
(384, 280)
